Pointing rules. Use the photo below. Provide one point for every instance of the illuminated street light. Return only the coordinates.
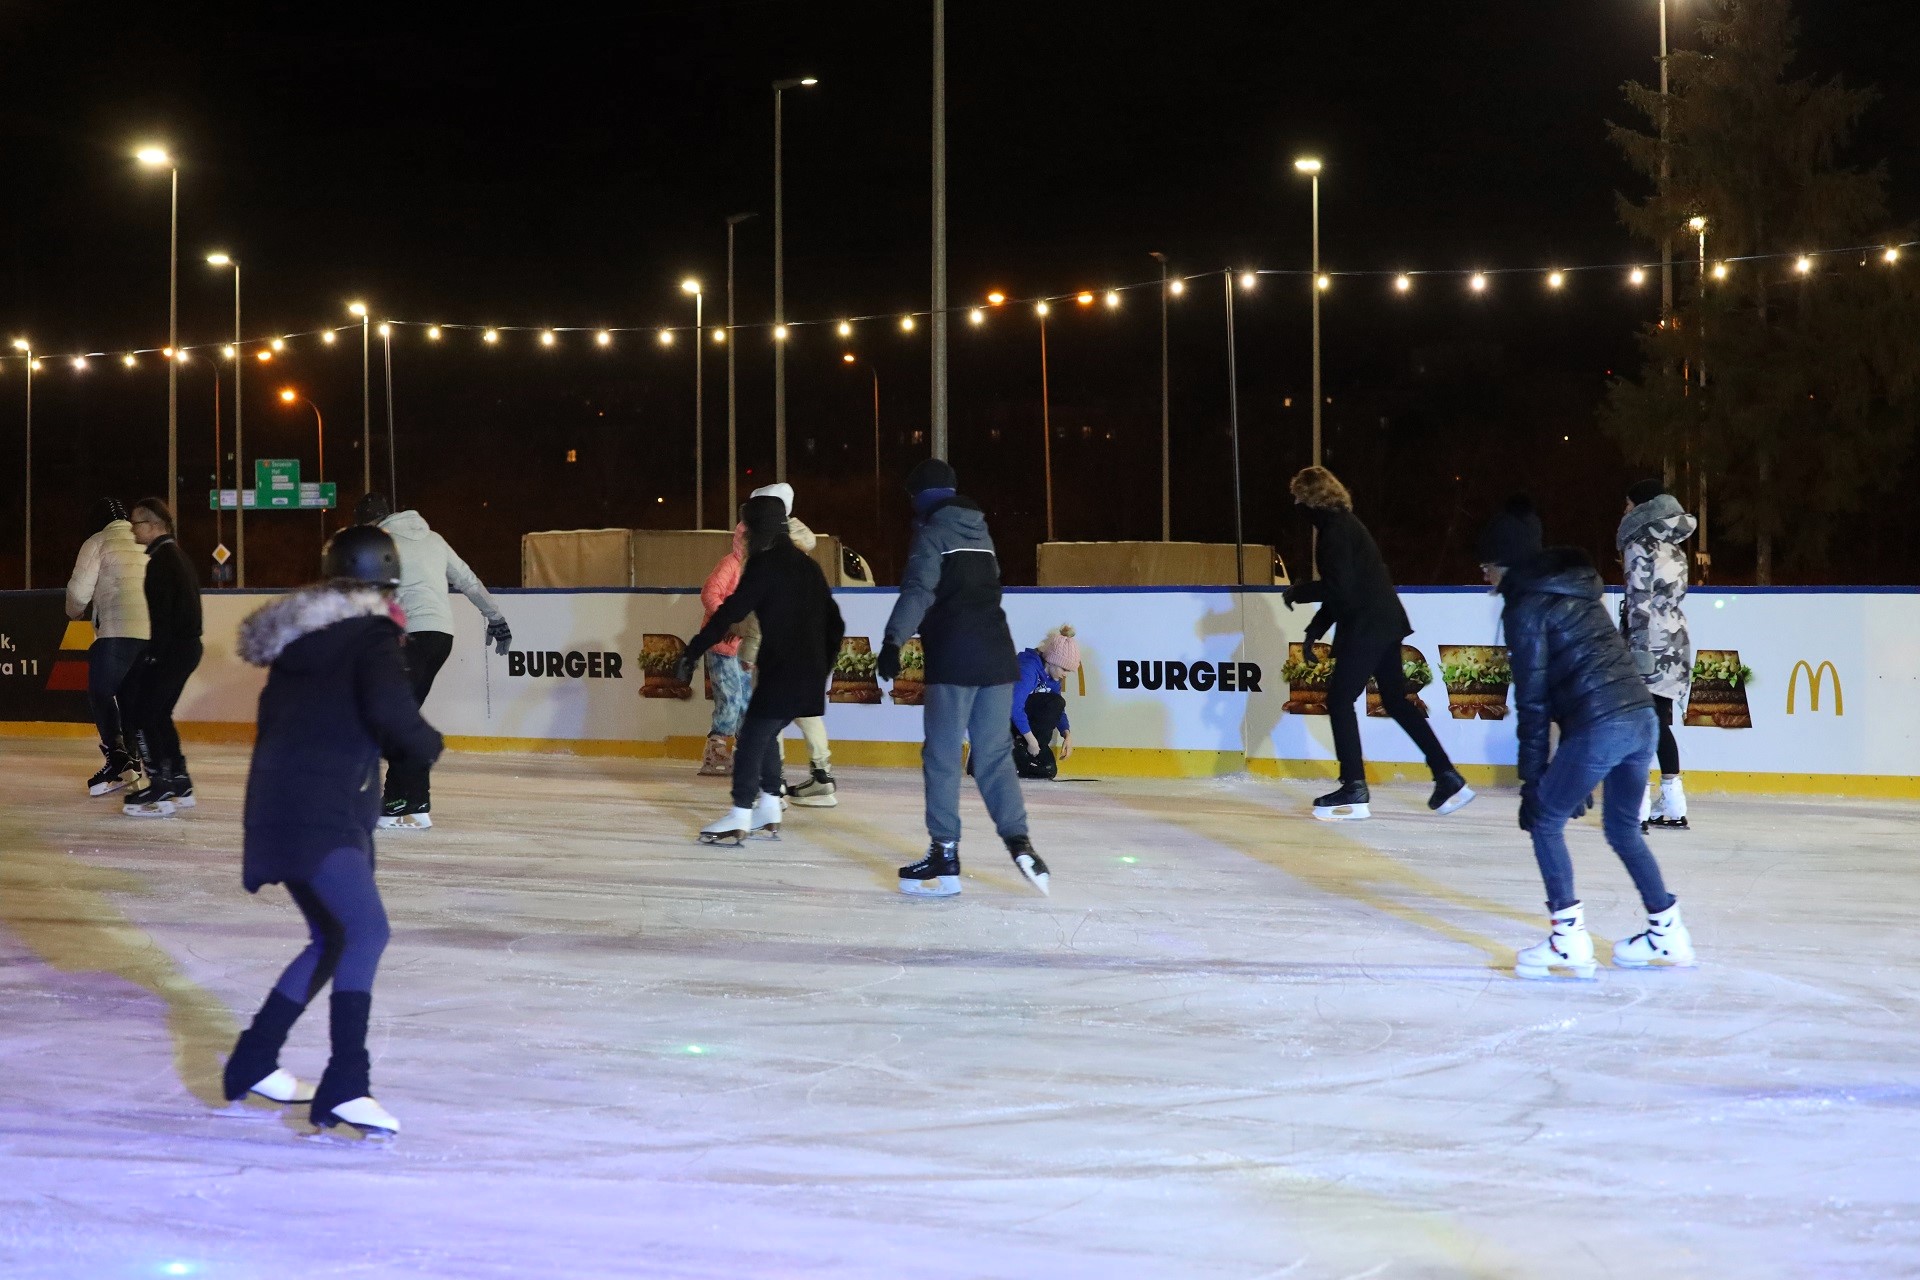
(263, 355)
(288, 395)
(154, 157)
(358, 310)
(690, 286)
(1085, 299)
(1891, 256)
(995, 298)
(228, 351)
(1247, 281)
(847, 358)
(128, 361)
(1696, 225)
(719, 336)
(1306, 164)
(79, 362)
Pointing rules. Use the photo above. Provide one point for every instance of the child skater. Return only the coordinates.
(1040, 704)
(337, 698)
(1571, 668)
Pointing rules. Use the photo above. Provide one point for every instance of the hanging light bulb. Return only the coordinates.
(1479, 282)
(279, 344)
(1891, 256)
(1556, 279)
(1113, 297)
(1323, 283)
(845, 329)
(1636, 276)
(976, 316)
(128, 361)
(1246, 280)
(1176, 287)
(547, 339)
(327, 337)
(433, 333)
(490, 336)
(1719, 271)
(1803, 264)
(666, 337)
(906, 324)
(1041, 308)
(604, 338)
(79, 362)
(779, 333)
(1402, 283)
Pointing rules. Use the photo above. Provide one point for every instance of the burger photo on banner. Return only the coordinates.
(658, 656)
(1718, 699)
(853, 672)
(1419, 676)
(1307, 677)
(1477, 678)
(909, 687)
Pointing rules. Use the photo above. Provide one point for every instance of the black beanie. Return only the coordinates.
(106, 511)
(1641, 491)
(1513, 536)
(934, 473)
(766, 521)
(372, 509)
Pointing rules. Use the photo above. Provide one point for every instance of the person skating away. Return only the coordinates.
(428, 567)
(1040, 704)
(110, 580)
(337, 699)
(173, 652)
(820, 789)
(1357, 599)
(800, 634)
(950, 594)
(731, 677)
(1572, 669)
(1654, 621)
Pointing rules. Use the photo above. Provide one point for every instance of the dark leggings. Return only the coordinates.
(756, 759)
(1379, 658)
(110, 663)
(425, 652)
(346, 927)
(152, 694)
(1669, 748)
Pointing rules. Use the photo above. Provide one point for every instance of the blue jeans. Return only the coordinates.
(732, 689)
(1617, 751)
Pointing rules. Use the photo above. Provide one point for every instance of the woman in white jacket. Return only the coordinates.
(428, 567)
(110, 581)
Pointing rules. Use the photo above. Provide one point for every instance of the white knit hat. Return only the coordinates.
(782, 491)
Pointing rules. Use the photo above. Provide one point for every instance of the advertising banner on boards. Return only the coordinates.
(43, 658)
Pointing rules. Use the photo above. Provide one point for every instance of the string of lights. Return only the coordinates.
(1476, 281)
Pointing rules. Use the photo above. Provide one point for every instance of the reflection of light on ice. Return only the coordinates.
(1235, 1042)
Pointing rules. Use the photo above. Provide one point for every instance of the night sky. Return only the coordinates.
(570, 167)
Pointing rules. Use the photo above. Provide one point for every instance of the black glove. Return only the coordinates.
(1529, 805)
(683, 669)
(1314, 631)
(499, 635)
(889, 663)
(1286, 597)
(1580, 810)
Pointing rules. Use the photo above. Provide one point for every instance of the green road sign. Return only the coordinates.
(306, 497)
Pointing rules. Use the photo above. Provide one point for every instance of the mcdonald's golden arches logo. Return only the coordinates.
(1814, 677)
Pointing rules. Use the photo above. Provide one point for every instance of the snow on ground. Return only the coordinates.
(1234, 1043)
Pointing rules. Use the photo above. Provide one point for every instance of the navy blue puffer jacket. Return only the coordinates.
(1570, 666)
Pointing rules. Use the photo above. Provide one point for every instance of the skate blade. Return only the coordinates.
(1038, 879)
(343, 1133)
(1657, 963)
(1584, 972)
(1342, 813)
(1668, 824)
(406, 822)
(182, 802)
(1458, 800)
(817, 802)
(734, 838)
(106, 788)
(158, 809)
(938, 887)
(769, 832)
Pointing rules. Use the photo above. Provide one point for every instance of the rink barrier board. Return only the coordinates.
(1177, 682)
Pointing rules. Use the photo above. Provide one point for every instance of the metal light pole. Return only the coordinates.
(1166, 421)
(155, 158)
(780, 88)
(289, 396)
(1046, 417)
(1311, 167)
(1666, 173)
(239, 436)
(699, 407)
(850, 358)
(733, 415)
(1233, 424)
(1703, 553)
(940, 238)
(359, 311)
(22, 345)
(393, 469)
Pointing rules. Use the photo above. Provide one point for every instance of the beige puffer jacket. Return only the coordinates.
(111, 576)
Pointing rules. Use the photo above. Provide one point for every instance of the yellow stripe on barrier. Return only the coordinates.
(78, 636)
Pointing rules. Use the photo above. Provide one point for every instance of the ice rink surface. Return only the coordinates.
(1234, 1043)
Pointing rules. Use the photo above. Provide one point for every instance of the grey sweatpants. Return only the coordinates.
(954, 712)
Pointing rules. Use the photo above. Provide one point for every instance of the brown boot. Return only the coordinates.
(718, 760)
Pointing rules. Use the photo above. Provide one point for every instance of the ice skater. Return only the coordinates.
(1572, 669)
(1654, 621)
(800, 634)
(820, 790)
(428, 566)
(730, 675)
(1040, 704)
(110, 580)
(337, 699)
(173, 652)
(950, 594)
(1357, 599)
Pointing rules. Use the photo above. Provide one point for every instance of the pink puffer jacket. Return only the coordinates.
(721, 583)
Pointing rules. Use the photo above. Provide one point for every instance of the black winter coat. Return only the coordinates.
(337, 699)
(950, 594)
(1354, 585)
(800, 631)
(173, 596)
(1570, 666)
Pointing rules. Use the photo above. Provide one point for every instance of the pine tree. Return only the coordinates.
(1809, 399)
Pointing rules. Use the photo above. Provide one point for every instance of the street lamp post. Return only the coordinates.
(1166, 421)
(359, 311)
(239, 433)
(733, 412)
(1666, 173)
(393, 469)
(26, 348)
(1311, 167)
(699, 407)
(1702, 554)
(289, 396)
(849, 358)
(1046, 416)
(156, 158)
(780, 88)
(940, 231)
(1233, 425)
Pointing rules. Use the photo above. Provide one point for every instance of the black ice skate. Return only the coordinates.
(166, 793)
(1450, 792)
(1348, 804)
(1024, 857)
(114, 773)
(406, 815)
(935, 876)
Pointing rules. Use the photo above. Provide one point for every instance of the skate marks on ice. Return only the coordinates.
(59, 908)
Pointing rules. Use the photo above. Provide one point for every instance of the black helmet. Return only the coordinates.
(361, 553)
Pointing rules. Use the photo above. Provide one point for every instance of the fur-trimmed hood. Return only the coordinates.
(268, 630)
(1320, 489)
(1662, 518)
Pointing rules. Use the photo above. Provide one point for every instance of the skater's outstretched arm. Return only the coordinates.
(1527, 655)
(755, 579)
(387, 706)
(917, 587)
(464, 580)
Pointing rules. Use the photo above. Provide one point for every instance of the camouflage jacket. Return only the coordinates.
(1651, 614)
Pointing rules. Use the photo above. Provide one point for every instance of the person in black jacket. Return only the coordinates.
(950, 594)
(800, 633)
(1571, 668)
(173, 652)
(1357, 600)
(337, 698)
